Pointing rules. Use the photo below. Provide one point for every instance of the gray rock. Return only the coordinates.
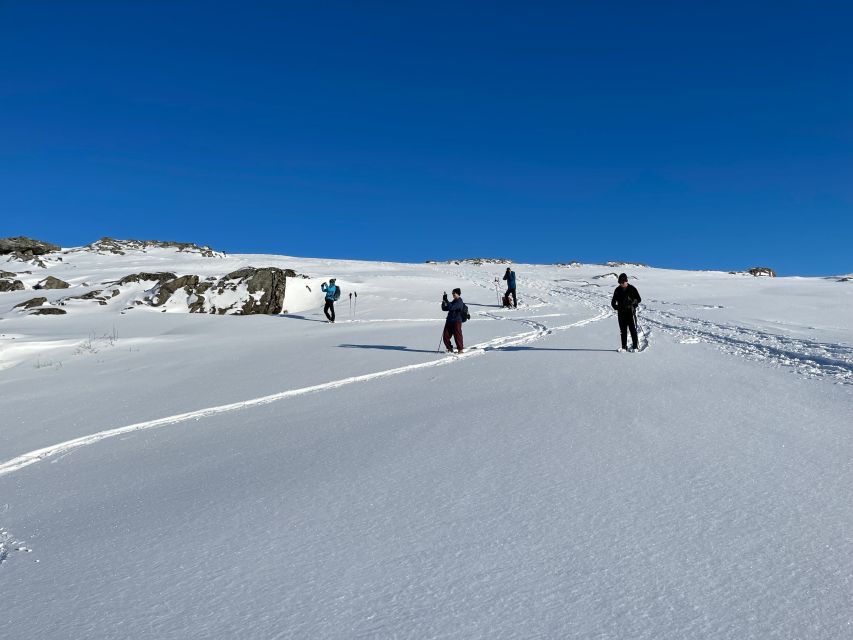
(52, 283)
(762, 271)
(7, 274)
(26, 246)
(168, 288)
(31, 303)
(11, 285)
(49, 311)
(265, 288)
(119, 247)
(161, 277)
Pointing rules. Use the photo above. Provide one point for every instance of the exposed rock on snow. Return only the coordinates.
(160, 276)
(475, 261)
(31, 303)
(762, 272)
(243, 292)
(97, 294)
(27, 250)
(48, 311)
(625, 264)
(11, 285)
(606, 275)
(120, 247)
(573, 263)
(52, 283)
(26, 246)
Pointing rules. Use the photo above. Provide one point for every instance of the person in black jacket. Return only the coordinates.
(625, 301)
(509, 276)
(453, 324)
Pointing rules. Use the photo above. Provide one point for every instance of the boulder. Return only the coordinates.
(11, 285)
(166, 289)
(49, 311)
(248, 291)
(52, 283)
(7, 274)
(26, 246)
(766, 272)
(265, 286)
(160, 276)
(31, 303)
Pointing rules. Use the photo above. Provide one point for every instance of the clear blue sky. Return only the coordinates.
(683, 136)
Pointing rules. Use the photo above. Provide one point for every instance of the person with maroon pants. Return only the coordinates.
(453, 324)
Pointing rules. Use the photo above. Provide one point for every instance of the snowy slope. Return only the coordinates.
(167, 475)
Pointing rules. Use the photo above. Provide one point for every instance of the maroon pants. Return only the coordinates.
(453, 329)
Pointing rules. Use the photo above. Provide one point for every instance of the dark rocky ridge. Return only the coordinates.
(120, 247)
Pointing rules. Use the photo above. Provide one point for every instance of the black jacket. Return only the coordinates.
(625, 300)
(454, 309)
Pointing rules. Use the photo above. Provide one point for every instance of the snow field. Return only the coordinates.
(341, 481)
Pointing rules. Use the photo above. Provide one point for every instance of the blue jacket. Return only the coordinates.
(454, 309)
(510, 279)
(331, 290)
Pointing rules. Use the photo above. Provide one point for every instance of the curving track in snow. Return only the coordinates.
(537, 332)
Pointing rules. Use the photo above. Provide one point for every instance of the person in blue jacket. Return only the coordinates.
(453, 325)
(509, 276)
(333, 292)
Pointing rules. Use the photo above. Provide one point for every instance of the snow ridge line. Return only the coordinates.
(26, 459)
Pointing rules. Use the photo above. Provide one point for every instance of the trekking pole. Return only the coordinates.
(440, 340)
(498, 292)
(355, 304)
(350, 305)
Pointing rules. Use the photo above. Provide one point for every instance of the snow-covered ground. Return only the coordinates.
(172, 475)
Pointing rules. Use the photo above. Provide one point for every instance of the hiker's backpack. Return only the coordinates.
(465, 315)
(337, 293)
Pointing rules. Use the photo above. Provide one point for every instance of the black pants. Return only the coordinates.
(626, 322)
(330, 307)
(509, 292)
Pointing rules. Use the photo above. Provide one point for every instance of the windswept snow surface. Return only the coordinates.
(167, 475)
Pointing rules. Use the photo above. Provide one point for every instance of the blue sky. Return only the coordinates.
(716, 136)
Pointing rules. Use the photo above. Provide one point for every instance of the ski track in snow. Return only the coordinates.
(810, 358)
(807, 357)
(538, 331)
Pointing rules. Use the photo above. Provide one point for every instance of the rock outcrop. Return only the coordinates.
(27, 250)
(52, 283)
(48, 311)
(765, 272)
(7, 284)
(120, 247)
(474, 261)
(26, 246)
(159, 276)
(246, 291)
(32, 303)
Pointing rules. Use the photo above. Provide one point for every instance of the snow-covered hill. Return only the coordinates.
(176, 475)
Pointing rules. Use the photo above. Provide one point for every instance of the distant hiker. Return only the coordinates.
(333, 293)
(457, 313)
(509, 276)
(625, 301)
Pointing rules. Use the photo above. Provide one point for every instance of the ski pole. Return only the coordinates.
(355, 304)
(350, 305)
